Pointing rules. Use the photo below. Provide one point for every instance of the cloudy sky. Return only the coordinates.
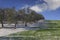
(49, 8)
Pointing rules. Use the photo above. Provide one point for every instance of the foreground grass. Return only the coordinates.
(52, 34)
(34, 32)
(42, 34)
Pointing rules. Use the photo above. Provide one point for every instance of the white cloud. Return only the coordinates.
(53, 4)
(25, 6)
(36, 8)
(39, 7)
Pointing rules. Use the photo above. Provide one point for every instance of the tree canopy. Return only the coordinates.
(11, 15)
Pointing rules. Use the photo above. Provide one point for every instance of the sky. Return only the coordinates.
(50, 9)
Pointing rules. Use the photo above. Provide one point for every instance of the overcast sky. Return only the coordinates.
(49, 8)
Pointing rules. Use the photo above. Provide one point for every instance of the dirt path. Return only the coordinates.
(7, 31)
(4, 31)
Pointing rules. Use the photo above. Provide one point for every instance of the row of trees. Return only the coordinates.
(12, 16)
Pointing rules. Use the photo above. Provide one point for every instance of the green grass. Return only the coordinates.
(42, 34)
(53, 23)
(34, 32)
(46, 34)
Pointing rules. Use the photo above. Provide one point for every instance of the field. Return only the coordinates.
(52, 33)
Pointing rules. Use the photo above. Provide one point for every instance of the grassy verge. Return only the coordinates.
(43, 34)
(46, 34)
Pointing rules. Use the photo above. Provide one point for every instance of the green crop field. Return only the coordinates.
(52, 33)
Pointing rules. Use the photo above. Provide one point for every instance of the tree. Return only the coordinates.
(33, 17)
(10, 14)
(1, 16)
(30, 16)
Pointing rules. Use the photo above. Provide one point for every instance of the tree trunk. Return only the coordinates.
(2, 24)
(25, 24)
(15, 25)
